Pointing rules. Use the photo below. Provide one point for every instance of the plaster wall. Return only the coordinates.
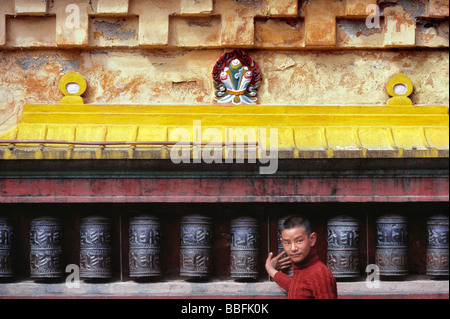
(162, 52)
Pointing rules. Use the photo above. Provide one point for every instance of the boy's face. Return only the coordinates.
(297, 243)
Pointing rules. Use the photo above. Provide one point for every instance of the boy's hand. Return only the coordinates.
(273, 264)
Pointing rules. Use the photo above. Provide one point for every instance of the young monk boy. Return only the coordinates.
(312, 279)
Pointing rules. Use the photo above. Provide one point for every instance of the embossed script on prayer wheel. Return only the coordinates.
(244, 247)
(392, 245)
(438, 248)
(289, 270)
(196, 246)
(6, 245)
(144, 239)
(95, 248)
(45, 248)
(343, 246)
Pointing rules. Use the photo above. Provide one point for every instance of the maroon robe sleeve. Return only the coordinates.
(283, 280)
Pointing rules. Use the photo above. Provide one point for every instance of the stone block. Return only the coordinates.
(438, 8)
(320, 32)
(280, 33)
(237, 31)
(6, 7)
(358, 7)
(72, 22)
(30, 6)
(112, 6)
(194, 31)
(194, 7)
(283, 8)
(354, 33)
(320, 22)
(238, 27)
(113, 31)
(2, 28)
(400, 29)
(154, 20)
(30, 31)
(432, 33)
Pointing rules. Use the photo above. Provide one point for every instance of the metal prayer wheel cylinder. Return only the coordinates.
(6, 246)
(196, 246)
(95, 248)
(244, 247)
(343, 246)
(289, 270)
(437, 250)
(145, 246)
(392, 245)
(45, 248)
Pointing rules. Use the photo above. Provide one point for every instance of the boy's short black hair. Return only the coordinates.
(297, 221)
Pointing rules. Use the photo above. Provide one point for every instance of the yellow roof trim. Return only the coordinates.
(81, 131)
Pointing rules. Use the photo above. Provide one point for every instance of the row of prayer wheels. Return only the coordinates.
(144, 247)
(391, 255)
(196, 247)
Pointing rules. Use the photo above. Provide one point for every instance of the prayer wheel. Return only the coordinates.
(6, 246)
(95, 248)
(437, 250)
(45, 248)
(392, 245)
(196, 246)
(145, 242)
(343, 246)
(244, 247)
(289, 270)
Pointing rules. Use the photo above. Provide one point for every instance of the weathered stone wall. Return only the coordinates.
(317, 52)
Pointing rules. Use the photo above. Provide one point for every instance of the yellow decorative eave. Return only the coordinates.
(83, 131)
(74, 130)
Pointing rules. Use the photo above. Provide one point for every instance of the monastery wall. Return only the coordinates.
(317, 52)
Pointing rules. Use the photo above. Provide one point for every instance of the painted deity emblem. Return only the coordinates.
(236, 77)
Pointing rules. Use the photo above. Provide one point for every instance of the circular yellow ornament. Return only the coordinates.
(399, 85)
(72, 84)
